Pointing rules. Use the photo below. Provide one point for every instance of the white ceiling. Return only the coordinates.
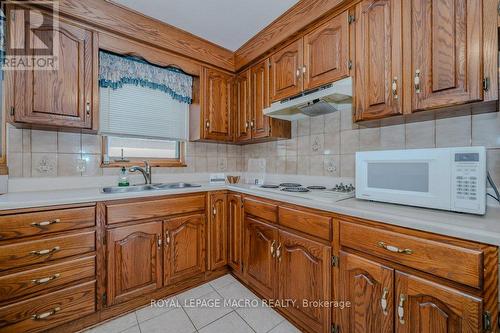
(228, 23)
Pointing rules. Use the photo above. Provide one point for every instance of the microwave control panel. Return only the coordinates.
(468, 182)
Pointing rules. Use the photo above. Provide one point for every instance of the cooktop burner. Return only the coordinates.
(290, 185)
(315, 187)
(295, 189)
(269, 186)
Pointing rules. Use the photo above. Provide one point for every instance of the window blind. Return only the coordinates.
(136, 111)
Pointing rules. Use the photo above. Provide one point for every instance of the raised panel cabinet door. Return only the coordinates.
(305, 277)
(446, 52)
(261, 244)
(425, 306)
(242, 110)
(184, 247)
(259, 79)
(286, 71)
(217, 105)
(63, 96)
(217, 239)
(134, 261)
(326, 52)
(369, 286)
(235, 221)
(378, 70)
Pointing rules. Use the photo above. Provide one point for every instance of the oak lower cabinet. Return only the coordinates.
(184, 247)
(235, 231)
(134, 261)
(304, 275)
(217, 231)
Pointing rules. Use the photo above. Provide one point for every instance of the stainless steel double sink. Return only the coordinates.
(148, 187)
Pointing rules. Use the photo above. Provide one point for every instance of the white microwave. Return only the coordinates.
(443, 178)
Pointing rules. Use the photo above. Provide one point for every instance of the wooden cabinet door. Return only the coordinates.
(286, 71)
(60, 97)
(378, 70)
(243, 112)
(425, 306)
(235, 221)
(368, 285)
(305, 276)
(217, 91)
(134, 261)
(259, 269)
(326, 52)
(184, 247)
(446, 58)
(217, 233)
(259, 79)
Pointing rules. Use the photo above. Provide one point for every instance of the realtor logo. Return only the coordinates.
(30, 35)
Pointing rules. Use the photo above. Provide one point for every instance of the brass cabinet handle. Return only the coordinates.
(167, 237)
(394, 249)
(214, 211)
(44, 223)
(304, 69)
(246, 125)
(383, 300)
(207, 124)
(417, 81)
(272, 249)
(252, 124)
(159, 241)
(45, 279)
(401, 309)
(46, 251)
(395, 88)
(278, 252)
(45, 314)
(298, 72)
(87, 108)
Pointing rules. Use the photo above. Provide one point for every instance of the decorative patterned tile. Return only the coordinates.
(44, 164)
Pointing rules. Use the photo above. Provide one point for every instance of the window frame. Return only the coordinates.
(154, 162)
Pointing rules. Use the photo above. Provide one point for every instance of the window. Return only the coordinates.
(144, 112)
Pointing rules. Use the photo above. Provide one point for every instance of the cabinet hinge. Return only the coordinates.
(351, 19)
(349, 64)
(104, 298)
(335, 328)
(486, 84)
(487, 322)
(12, 111)
(335, 261)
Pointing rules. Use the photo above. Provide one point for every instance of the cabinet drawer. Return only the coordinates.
(47, 249)
(264, 210)
(50, 310)
(309, 223)
(33, 280)
(38, 223)
(448, 261)
(131, 211)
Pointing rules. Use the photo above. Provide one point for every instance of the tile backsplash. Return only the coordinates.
(320, 146)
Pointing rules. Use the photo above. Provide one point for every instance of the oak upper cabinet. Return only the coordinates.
(62, 97)
(446, 57)
(134, 261)
(368, 285)
(286, 71)
(261, 244)
(184, 247)
(378, 67)
(235, 222)
(217, 232)
(243, 112)
(425, 306)
(305, 275)
(216, 105)
(326, 52)
(259, 92)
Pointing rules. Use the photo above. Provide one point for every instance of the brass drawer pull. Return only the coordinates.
(394, 249)
(46, 279)
(272, 248)
(395, 88)
(416, 81)
(44, 223)
(167, 237)
(45, 314)
(278, 252)
(401, 309)
(46, 251)
(383, 300)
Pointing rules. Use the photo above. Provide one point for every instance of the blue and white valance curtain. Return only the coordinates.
(139, 99)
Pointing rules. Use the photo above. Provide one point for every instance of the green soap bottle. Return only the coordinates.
(123, 179)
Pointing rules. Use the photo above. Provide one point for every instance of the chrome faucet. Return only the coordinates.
(146, 171)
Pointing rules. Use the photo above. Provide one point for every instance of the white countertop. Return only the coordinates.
(485, 229)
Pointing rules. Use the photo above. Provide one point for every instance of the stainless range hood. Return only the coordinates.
(324, 100)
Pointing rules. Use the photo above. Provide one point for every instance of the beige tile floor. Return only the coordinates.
(181, 315)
